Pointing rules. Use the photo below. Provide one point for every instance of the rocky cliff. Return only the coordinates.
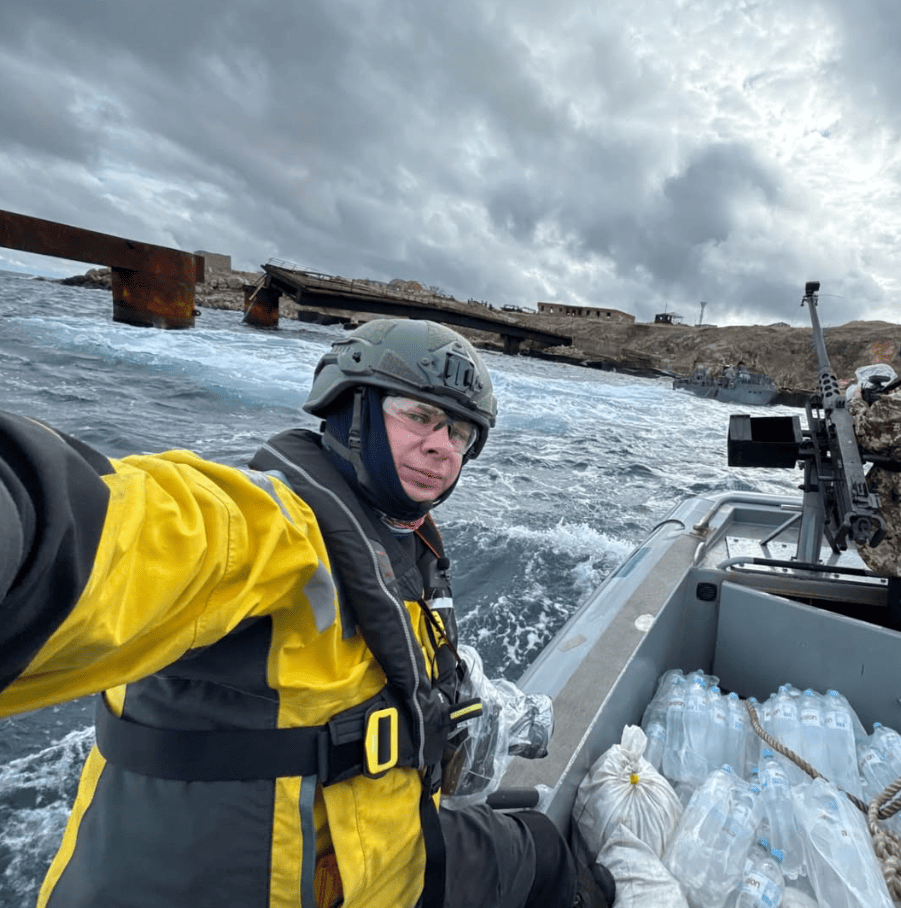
(786, 354)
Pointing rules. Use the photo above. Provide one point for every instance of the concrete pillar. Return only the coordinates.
(261, 306)
(511, 344)
(148, 298)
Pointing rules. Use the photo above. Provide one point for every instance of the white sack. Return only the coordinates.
(642, 881)
(623, 787)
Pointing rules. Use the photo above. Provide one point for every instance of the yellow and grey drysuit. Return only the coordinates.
(270, 667)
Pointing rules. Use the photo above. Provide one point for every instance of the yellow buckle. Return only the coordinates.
(380, 740)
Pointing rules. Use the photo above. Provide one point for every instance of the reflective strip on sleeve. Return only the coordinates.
(321, 594)
(262, 481)
(320, 589)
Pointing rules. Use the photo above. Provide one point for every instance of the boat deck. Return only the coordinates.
(694, 595)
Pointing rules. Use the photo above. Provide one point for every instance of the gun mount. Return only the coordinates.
(837, 502)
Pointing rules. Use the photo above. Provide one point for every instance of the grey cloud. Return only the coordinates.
(164, 34)
(870, 65)
(516, 208)
(448, 143)
(696, 208)
(37, 116)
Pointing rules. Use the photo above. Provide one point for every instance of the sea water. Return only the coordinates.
(582, 464)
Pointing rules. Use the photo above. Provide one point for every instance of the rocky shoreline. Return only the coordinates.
(784, 353)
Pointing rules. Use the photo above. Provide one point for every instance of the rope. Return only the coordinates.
(886, 843)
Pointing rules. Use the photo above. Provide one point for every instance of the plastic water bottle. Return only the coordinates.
(840, 749)
(761, 883)
(700, 675)
(738, 733)
(675, 727)
(875, 776)
(653, 724)
(810, 716)
(766, 711)
(875, 773)
(856, 725)
(706, 852)
(841, 862)
(697, 722)
(785, 716)
(689, 849)
(718, 730)
(779, 812)
(664, 682)
(734, 840)
(787, 730)
(889, 743)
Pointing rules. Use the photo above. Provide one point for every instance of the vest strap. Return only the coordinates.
(206, 756)
(434, 878)
(368, 739)
(337, 750)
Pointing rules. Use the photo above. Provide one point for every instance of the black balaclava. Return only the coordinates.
(372, 474)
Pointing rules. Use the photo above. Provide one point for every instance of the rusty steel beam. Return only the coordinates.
(152, 285)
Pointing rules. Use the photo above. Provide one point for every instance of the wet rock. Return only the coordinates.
(96, 278)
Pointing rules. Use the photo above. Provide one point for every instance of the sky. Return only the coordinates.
(643, 156)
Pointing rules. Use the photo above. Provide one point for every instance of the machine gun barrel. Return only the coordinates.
(826, 381)
(837, 502)
(851, 509)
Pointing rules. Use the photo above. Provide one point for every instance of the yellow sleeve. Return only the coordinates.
(188, 550)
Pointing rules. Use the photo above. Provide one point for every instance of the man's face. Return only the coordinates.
(427, 446)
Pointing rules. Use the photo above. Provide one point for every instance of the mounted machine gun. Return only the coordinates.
(836, 502)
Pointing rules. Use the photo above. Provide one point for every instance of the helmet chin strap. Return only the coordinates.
(355, 446)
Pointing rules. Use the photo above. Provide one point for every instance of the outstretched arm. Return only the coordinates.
(113, 569)
(53, 502)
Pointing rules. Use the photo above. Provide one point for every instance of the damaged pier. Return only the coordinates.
(318, 291)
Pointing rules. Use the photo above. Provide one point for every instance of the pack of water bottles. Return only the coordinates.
(757, 831)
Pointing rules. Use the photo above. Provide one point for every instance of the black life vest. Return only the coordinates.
(406, 724)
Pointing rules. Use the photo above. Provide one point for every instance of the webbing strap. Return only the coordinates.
(207, 756)
(369, 739)
(308, 834)
(435, 852)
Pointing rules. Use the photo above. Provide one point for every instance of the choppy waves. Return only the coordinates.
(36, 794)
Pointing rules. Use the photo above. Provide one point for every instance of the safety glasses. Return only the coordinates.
(423, 419)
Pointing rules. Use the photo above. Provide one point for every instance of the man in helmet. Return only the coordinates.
(275, 648)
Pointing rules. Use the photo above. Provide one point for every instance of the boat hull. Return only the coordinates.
(732, 385)
(690, 597)
(753, 396)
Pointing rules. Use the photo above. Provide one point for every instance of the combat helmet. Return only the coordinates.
(419, 358)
